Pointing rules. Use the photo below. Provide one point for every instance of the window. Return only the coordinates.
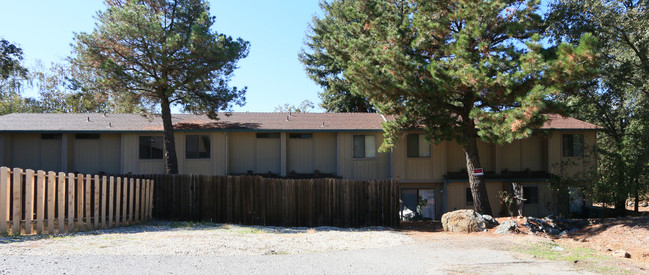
(197, 147)
(469, 196)
(572, 145)
(418, 147)
(86, 136)
(531, 194)
(300, 135)
(364, 146)
(151, 147)
(267, 135)
(50, 136)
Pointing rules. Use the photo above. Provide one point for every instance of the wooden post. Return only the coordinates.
(60, 201)
(151, 199)
(118, 201)
(40, 201)
(17, 202)
(4, 199)
(29, 200)
(51, 198)
(96, 202)
(124, 200)
(86, 201)
(145, 199)
(103, 202)
(136, 214)
(111, 198)
(131, 185)
(71, 183)
(80, 203)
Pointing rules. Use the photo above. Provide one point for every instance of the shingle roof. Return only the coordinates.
(232, 121)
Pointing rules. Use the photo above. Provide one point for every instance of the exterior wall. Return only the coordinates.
(361, 168)
(571, 166)
(317, 153)
(457, 198)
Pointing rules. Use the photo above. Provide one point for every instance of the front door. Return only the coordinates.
(428, 195)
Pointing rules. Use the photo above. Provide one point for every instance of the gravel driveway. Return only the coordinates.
(163, 247)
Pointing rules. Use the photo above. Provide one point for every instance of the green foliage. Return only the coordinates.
(618, 99)
(304, 107)
(161, 53)
(457, 69)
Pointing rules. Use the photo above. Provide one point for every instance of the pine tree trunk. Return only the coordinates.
(478, 188)
(171, 161)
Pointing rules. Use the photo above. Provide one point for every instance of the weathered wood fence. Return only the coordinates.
(281, 202)
(31, 200)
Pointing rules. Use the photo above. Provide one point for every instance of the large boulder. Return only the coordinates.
(463, 221)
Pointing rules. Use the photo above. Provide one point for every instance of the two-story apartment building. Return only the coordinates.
(284, 144)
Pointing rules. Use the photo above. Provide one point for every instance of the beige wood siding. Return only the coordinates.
(361, 168)
(510, 156)
(110, 153)
(26, 151)
(455, 156)
(532, 154)
(219, 156)
(267, 155)
(324, 148)
(129, 156)
(571, 166)
(86, 155)
(242, 152)
(50, 155)
(487, 156)
(300, 154)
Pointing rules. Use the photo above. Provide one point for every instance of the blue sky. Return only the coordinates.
(276, 30)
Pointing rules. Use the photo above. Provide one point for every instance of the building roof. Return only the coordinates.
(32, 122)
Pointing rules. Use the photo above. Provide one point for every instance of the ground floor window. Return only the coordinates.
(531, 194)
(151, 147)
(418, 203)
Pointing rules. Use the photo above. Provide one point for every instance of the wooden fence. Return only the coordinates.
(31, 200)
(281, 202)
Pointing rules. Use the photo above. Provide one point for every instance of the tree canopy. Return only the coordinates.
(618, 99)
(460, 70)
(163, 53)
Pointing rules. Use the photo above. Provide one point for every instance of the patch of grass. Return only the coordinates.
(583, 258)
(247, 231)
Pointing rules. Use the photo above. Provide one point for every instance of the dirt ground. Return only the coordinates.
(605, 236)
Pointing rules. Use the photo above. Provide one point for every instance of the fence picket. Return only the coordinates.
(40, 201)
(111, 199)
(29, 200)
(130, 201)
(51, 199)
(60, 201)
(80, 203)
(87, 189)
(103, 202)
(118, 200)
(96, 202)
(136, 214)
(17, 200)
(4, 199)
(71, 183)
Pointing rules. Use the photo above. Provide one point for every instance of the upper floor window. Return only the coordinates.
(364, 146)
(51, 136)
(197, 147)
(151, 147)
(418, 147)
(572, 145)
(86, 136)
(267, 135)
(300, 135)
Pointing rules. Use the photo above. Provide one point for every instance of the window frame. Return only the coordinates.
(207, 145)
(364, 147)
(419, 141)
(300, 135)
(152, 140)
(268, 135)
(572, 152)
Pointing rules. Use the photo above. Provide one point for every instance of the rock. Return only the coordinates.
(490, 221)
(644, 204)
(506, 226)
(463, 221)
(621, 254)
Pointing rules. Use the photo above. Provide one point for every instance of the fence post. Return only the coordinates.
(96, 202)
(51, 198)
(29, 200)
(130, 201)
(40, 201)
(80, 203)
(103, 202)
(71, 200)
(17, 202)
(136, 213)
(118, 201)
(111, 197)
(4, 199)
(87, 188)
(60, 201)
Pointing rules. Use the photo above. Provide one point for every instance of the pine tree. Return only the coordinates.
(461, 70)
(163, 52)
